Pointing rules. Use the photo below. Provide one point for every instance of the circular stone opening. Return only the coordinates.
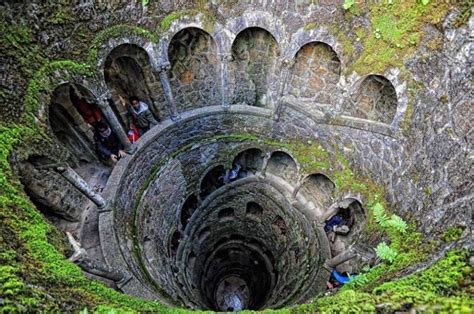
(246, 263)
(228, 232)
(232, 294)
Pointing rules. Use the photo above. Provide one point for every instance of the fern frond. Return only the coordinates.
(379, 214)
(385, 252)
(397, 223)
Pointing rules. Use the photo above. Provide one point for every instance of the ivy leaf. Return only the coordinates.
(425, 2)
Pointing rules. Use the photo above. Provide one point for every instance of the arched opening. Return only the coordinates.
(204, 233)
(254, 52)
(343, 229)
(317, 188)
(280, 223)
(281, 164)
(212, 181)
(174, 243)
(194, 69)
(375, 100)
(225, 213)
(187, 210)
(72, 114)
(127, 73)
(250, 160)
(315, 74)
(254, 209)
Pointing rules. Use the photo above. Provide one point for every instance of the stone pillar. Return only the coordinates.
(225, 58)
(340, 258)
(115, 124)
(331, 211)
(263, 173)
(72, 177)
(82, 259)
(165, 83)
(286, 76)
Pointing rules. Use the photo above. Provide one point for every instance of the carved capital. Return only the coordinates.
(288, 63)
(102, 100)
(225, 57)
(163, 67)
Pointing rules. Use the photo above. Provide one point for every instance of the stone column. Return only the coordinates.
(331, 211)
(340, 258)
(225, 58)
(286, 76)
(115, 124)
(263, 172)
(162, 70)
(72, 177)
(82, 259)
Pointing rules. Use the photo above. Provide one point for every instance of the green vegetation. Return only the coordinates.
(385, 252)
(208, 20)
(453, 234)
(395, 32)
(440, 288)
(395, 223)
(35, 276)
(166, 22)
(348, 4)
(59, 17)
(310, 26)
(466, 11)
(115, 32)
(40, 85)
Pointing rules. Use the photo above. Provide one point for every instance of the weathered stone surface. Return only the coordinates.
(409, 130)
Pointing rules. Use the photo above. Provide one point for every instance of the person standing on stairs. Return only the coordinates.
(140, 116)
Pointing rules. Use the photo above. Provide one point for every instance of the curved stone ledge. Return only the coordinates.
(170, 162)
(341, 120)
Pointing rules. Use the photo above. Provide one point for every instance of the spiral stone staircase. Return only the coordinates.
(254, 91)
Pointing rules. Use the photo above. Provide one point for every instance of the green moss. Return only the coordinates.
(208, 20)
(428, 190)
(310, 26)
(434, 289)
(166, 22)
(18, 43)
(465, 14)
(40, 84)
(395, 33)
(453, 234)
(115, 32)
(59, 17)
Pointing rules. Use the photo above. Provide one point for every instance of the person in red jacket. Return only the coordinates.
(89, 112)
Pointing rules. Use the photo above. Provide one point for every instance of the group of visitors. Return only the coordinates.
(109, 147)
(140, 120)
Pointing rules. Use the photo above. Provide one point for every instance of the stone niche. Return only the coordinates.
(315, 74)
(376, 99)
(194, 72)
(254, 54)
(127, 72)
